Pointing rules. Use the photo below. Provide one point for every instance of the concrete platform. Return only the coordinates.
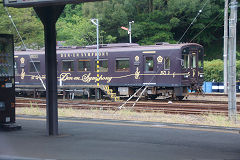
(92, 139)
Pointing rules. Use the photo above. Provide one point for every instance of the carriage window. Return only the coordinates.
(200, 64)
(200, 60)
(149, 64)
(167, 63)
(103, 65)
(194, 60)
(185, 62)
(32, 68)
(67, 66)
(122, 65)
(84, 65)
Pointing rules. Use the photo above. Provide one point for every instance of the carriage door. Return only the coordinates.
(191, 67)
(149, 70)
(193, 63)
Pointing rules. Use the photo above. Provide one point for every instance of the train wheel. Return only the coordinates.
(152, 97)
(179, 98)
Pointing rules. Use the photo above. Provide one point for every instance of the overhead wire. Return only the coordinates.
(10, 17)
(208, 24)
(199, 12)
(40, 78)
(145, 87)
(206, 27)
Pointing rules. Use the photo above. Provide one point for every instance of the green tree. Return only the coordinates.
(116, 13)
(70, 10)
(79, 31)
(28, 25)
(168, 19)
(111, 15)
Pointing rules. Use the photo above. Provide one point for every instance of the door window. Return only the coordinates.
(194, 60)
(149, 64)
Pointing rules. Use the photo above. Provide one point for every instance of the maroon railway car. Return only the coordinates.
(168, 70)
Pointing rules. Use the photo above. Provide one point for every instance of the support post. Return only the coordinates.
(97, 94)
(97, 90)
(64, 93)
(130, 31)
(232, 109)
(49, 16)
(34, 93)
(225, 54)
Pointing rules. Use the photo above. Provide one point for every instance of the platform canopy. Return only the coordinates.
(40, 3)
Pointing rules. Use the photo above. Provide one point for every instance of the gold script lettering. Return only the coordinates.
(65, 76)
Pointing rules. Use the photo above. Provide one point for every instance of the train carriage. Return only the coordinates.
(168, 70)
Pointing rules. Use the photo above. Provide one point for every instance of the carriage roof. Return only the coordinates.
(120, 47)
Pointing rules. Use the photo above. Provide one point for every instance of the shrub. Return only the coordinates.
(213, 70)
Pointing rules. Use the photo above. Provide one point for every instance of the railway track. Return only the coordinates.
(176, 107)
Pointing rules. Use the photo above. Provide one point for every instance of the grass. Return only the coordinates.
(206, 119)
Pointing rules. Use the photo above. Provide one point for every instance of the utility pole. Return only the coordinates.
(232, 110)
(130, 31)
(97, 90)
(95, 22)
(225, 54)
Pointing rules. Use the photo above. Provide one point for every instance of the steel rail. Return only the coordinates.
(175, 108)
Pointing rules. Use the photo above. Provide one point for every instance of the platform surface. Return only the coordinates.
(92, 139)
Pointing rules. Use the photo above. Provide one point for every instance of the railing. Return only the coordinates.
(109, 92)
